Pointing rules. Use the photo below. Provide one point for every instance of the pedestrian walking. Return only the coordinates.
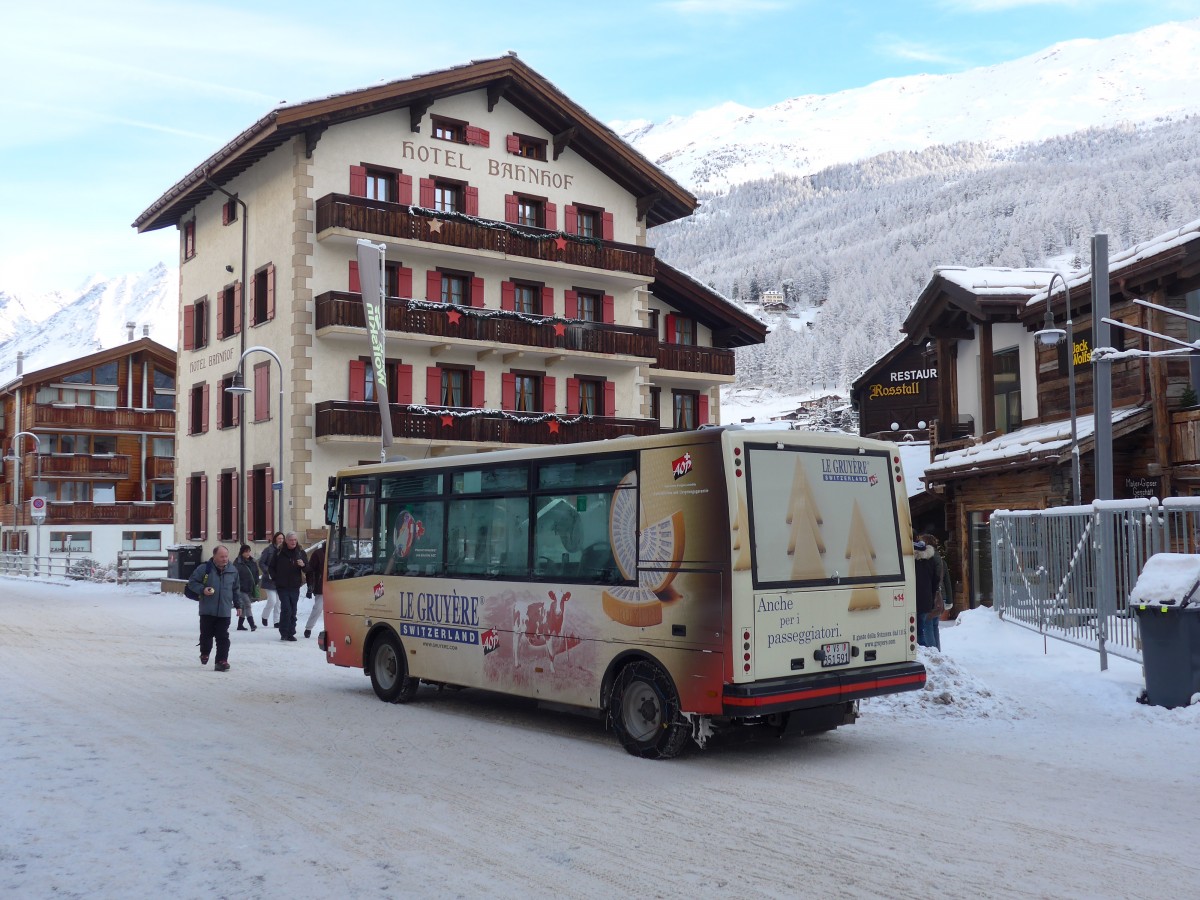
(215, 584)
(287, 571)
(315, 574)
(247, 570)
(926, 586)
(268, 580)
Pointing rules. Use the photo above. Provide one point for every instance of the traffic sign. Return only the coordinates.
(37, 509)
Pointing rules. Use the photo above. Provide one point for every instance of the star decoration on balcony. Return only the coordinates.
(561, 243)
(559, 329)
(454, 316)
(435, 226)
(553, 426)
(447, 421)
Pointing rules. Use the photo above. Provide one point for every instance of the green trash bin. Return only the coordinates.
(1170, 653)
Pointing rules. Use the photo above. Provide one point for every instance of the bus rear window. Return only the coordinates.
(820, 516)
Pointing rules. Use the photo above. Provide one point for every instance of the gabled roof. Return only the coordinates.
(898, 350)
(52, 373)
(958, 297)
(732, 326)
(504, 77)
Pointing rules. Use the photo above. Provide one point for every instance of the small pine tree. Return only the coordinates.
(1188, 398)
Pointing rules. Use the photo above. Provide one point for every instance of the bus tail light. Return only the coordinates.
(744, 657)
(322, 641)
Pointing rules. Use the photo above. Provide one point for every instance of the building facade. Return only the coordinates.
(523, 303)
(90, 443)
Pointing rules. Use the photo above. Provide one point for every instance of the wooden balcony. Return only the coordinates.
(46, 415)
(79, 465)
(343, 419)
(404, 317)
(1185, 437)
(372, 217)
(83, 513)
(701, 360)
(160, 467)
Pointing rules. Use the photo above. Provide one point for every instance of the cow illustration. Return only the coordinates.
(540, 626)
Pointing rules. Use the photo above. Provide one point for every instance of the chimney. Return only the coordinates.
(145, 331)
(130, 326)
(20, 362)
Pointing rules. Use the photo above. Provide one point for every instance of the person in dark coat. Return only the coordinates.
(315, 573)
(216, 583)
(926, 586)
(287, 571)
(268, 581)
(247, 570)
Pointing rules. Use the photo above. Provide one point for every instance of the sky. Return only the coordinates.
(108, 103)
(129, 770)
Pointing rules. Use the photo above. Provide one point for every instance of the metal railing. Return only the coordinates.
(130, 566)
(1067, 572)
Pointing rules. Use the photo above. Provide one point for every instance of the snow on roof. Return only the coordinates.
(1131, 257)
(1042, 438)
(985, 281)
(1167, 580)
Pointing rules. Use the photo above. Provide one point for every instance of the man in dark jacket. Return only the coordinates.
(927, 585)
(287, 569)
(315, 573)
(216, 583)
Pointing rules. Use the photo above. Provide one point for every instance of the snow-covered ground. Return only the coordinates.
(127, 770)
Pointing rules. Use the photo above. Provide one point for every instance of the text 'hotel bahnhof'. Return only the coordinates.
(524, 305)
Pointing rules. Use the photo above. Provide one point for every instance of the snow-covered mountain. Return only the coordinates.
(56, 327)
(1147, 76)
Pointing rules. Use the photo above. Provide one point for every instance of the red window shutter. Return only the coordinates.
(610, 398)
(548, 398)
(513, 143)
(204, 505)
(477, 292)
(471, 200)
(355, 283)
(433, 386)
(404, 282)
(572, 304)
(187, 508)
(221, 314)
(606, 220)
(552, 217)
(508, 391)
(233, 505)
(269, 512)
(189, 327)
(221, 509)
(426, 189)
(510, 208)
(358, 181)
(571, 225)
(204, 411)
(225, 213)
(235, 404)
(478, 137)
(221, 423)
(202, 331)
(404, 384)
(237, 308)
(608, 309)
(358, 381)
(262, 392)
(572, 396)
(478, 388)
(670, 328)
(702, 415)
(508, 295)
(251, 531)
(404, 192)
(270, 291)
(433, 286)
(547, 301)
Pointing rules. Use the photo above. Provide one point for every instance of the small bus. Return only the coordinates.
(680, 584)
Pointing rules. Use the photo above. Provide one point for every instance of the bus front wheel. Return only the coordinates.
(389, 671)
(644, 709)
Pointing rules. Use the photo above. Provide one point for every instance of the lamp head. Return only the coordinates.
(236, 386)
(1050, 337)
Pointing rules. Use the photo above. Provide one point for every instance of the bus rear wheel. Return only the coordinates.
(389, 671)
(644, 709)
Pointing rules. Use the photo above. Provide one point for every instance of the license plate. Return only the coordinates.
(835, 655)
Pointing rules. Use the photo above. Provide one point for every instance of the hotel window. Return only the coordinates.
(656, 404)
(141, 540)
(164, 390)
(449, 130)
(589, 305)
(526, 392)
(589, 222)
(591, 397)
(229, 406)
(456, 387)
(164, 492)
(527, 299)
(229, 311)
(531, 211)
(381, 183)
(195, 325)
(685, 416)
(162, 447)
(363, 383)
(381, 186)
(260, 503)
(447, 196)
(454, 289)
(189, 240)
(528, 147)
(198, 409)
(70, 542)
(227, 501)
(264, 294)
(195, 520)
(1007, 390)
(681, 330)
(229, 212)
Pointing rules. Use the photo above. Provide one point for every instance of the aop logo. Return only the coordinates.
(681, 466)
(379, 590)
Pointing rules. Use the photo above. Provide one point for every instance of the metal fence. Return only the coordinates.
(129, 567)
(1068, 572)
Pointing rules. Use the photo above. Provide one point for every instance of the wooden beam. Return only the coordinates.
(1161, 421)
(416, 112)
(646, 203)
(489, 353)
(311, 136)
(495, 91)
(509, 358)
(987, 379)
(563, 139)
(945, 407)
(439, 349)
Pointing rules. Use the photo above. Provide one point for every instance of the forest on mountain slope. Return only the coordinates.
(860, 241)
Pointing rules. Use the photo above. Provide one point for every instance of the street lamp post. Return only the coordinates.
(239, 387)
(1050, 336)
(14, 457)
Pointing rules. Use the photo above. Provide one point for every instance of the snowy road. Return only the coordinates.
(130, 771)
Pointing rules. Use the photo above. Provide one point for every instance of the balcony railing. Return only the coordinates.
(704, 360)
(338, 418)
(160, 467)
(1185, 437)
(46, 415)
(346, 309)
(85, 513)
(399, 221)
(79, 464)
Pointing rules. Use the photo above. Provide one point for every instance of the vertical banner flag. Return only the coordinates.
(370, 275)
